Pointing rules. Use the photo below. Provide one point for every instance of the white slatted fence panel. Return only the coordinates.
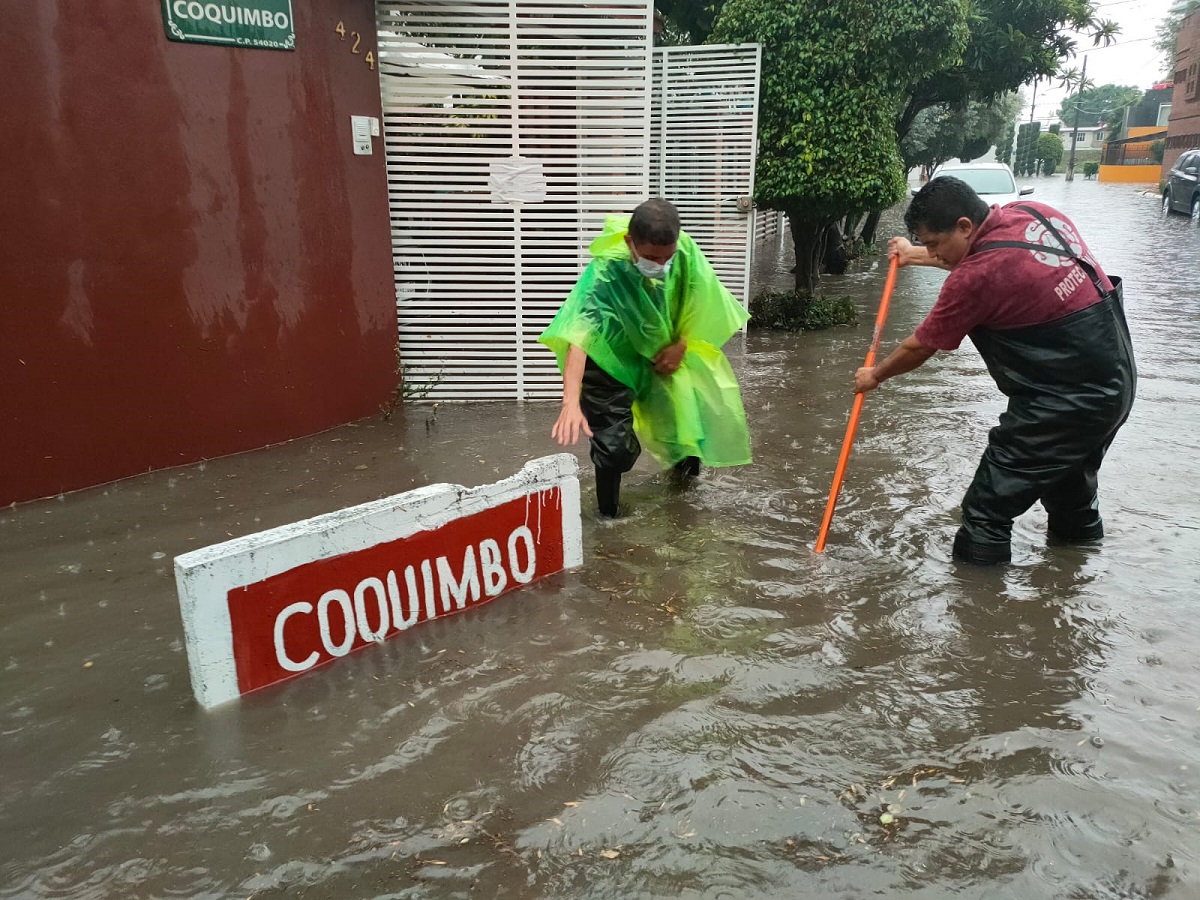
(770, 228)
(468, 84)
(704, 129)
(767, 225)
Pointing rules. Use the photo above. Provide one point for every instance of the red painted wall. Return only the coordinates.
(192, 260)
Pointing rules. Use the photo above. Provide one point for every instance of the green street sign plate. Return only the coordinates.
(265, 24)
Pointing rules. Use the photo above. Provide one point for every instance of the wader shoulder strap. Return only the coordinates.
(1022, 245)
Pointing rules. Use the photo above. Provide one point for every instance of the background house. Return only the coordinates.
(1087, 138)
(1129, 156)
(1151, 112)
(1183, 127)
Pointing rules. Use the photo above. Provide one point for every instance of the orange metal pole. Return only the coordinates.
(856, 409)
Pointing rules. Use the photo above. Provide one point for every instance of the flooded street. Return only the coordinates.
(707, 709)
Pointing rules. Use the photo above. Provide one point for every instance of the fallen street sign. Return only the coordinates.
(265, 24)
(270, 606)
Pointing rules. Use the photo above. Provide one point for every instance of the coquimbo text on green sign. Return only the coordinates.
(265, 24)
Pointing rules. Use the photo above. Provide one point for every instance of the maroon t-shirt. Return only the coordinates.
(1011, 287)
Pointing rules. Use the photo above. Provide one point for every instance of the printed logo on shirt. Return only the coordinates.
(1065, 288)
(1037, 233)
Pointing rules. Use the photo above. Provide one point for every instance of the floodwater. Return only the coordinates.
(706, 709)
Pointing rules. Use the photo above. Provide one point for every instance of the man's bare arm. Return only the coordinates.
(571, 421)
(909, 355)
(912, 255)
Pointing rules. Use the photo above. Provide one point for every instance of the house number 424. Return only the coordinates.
(356, 39)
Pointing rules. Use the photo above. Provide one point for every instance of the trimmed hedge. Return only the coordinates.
(791, 311)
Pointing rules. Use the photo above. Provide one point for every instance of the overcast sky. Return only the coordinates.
(1130, 60)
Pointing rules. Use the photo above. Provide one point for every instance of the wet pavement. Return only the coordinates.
(706, 710)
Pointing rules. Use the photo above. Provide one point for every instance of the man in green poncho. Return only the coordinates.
(638, 342)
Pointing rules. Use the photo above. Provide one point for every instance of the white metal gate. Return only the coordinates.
(512, 127)
(704, 132)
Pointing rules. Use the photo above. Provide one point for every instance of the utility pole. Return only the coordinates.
(1075, 130)
(1033, 102)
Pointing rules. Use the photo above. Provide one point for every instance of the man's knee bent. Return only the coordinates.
(614, 451)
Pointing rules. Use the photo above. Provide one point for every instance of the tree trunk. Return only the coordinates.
(905, 120)
(808, 242)
(837, 255)
(870, 226)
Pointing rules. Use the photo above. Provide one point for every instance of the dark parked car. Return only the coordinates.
(1182, 191)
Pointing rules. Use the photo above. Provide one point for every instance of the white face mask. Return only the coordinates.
(651, 269)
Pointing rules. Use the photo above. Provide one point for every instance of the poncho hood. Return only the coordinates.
(610, 243)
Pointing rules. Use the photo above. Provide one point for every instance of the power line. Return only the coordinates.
(1105, 112)
(1117, 45)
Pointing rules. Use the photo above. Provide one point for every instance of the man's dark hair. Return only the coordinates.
(655, 222)
(940, 204)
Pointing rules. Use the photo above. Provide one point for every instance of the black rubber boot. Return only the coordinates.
(1073, 505)
(688, 467)
(608, 491)
(981, 552)
(1075, 532)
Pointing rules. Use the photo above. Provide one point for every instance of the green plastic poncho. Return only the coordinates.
(621, 320)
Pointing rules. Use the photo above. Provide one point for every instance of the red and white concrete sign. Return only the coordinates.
(270, 606)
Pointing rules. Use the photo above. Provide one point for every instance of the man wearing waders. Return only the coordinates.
(638, 342)
(1050, 325)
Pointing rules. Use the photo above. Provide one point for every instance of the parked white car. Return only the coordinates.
(993, 182)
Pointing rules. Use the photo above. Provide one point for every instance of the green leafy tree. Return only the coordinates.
(1010, 44)
(832, 75)
(1049, 152)
(1166, 36)
(1073, 79)
(1103, 105)
(941, 132)
(688, 21)
(935, 136)
(996, 121)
